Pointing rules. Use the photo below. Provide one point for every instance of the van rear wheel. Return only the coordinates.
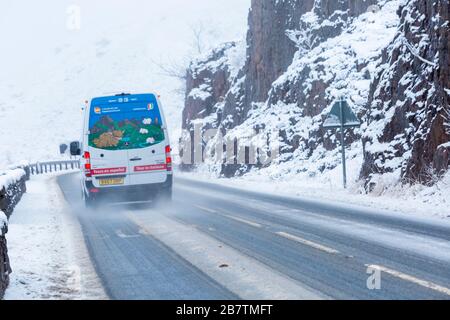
(89, 202)
(165, 196)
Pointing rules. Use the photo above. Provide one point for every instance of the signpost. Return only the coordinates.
(341, 117)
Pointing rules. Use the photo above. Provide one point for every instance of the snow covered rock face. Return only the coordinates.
(301, 55)
(407, 133)
(207, 82)
(12, 187)
(278, 31)
(269, 51)
(275, 33)
(5, 268)
(339, 45)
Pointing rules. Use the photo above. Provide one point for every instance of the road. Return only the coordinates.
(271, 247)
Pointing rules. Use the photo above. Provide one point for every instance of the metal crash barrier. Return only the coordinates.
(53, 166)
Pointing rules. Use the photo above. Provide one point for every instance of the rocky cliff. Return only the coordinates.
(12, 188)
(409, 100)
(276, 31)
(5, 268)
(208, 81)
(270, 51)
(302, 55)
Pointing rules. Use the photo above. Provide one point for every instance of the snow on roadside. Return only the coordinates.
(416, 200)
(6, 178)
(46, 248)
(10, 176)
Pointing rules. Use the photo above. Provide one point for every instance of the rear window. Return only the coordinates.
(125, 126)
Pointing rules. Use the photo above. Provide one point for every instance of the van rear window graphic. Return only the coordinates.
(125, 126)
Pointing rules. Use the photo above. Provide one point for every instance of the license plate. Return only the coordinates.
(112, 181)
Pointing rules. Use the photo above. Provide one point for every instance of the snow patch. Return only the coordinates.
(202, 92)
(9, 177)
(46, 248)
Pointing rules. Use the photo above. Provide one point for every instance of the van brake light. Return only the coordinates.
(168, 158)
(87, 165)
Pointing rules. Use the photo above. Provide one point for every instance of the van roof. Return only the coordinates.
(121, 98)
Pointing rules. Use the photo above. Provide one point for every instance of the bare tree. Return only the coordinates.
(177, 68)
(172, 68)
(198, 34)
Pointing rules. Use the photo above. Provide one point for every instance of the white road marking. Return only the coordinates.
(122, 235)
(250, 223)
(206, 209)
(307, 242)
(407, 277)
(144, 232)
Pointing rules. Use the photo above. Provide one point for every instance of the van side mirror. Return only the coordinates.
(63, 148)
(75, 149)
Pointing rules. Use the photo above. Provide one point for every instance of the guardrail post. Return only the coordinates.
(28, 172)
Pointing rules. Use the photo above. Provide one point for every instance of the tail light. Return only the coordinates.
(87, 165)
(168, 158)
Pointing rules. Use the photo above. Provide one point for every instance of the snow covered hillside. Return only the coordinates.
(50, 66)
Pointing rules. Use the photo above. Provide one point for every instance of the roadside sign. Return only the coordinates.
(337, 118)
(341, 117)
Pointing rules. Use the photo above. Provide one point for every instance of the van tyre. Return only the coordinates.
(89, 202)
(165, 196)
